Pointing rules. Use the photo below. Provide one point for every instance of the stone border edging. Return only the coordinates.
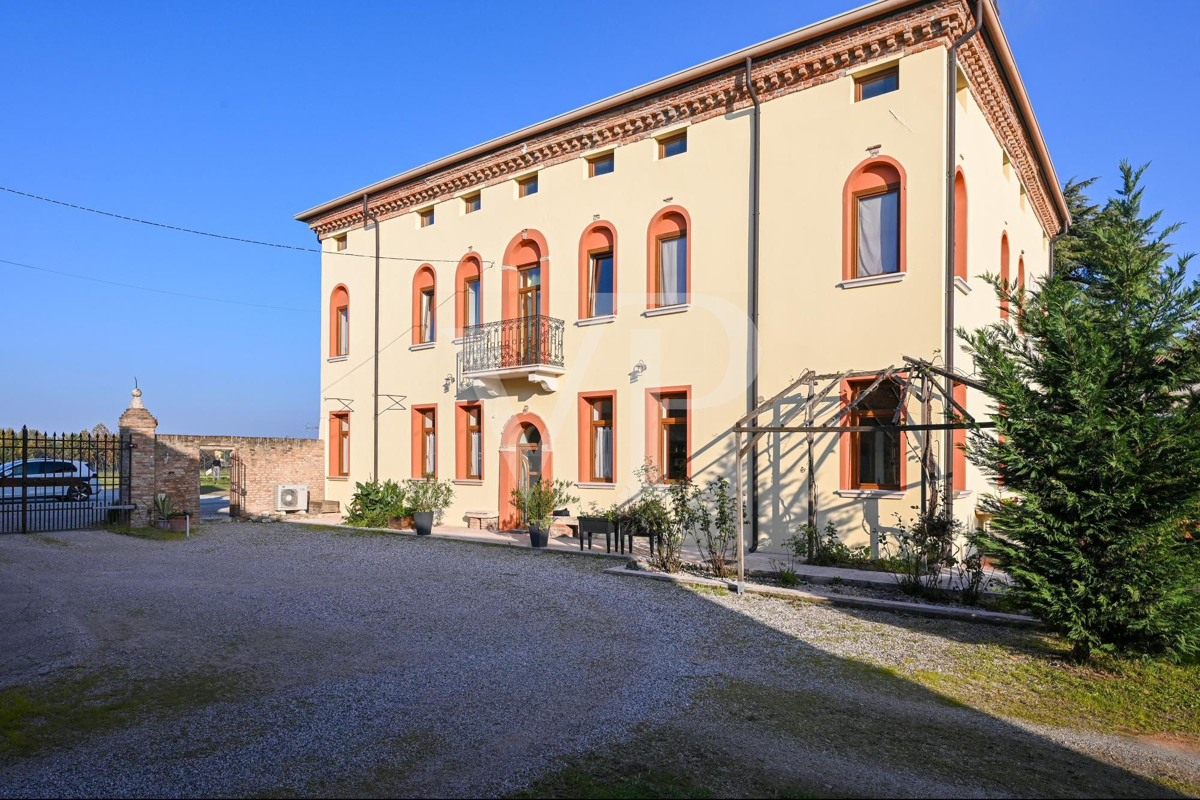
(874, 604)
(458, 537)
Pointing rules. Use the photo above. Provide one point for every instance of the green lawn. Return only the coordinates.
(208, 485)
(1110, 694)
(68, 710)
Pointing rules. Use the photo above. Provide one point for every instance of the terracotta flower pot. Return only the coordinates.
(177, 524)
(406, 523)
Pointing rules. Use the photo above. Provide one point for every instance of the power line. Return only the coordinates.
(151, 289)
(239, 239)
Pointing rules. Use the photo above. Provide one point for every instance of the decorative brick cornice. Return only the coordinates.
(916, 29)
(993, 97)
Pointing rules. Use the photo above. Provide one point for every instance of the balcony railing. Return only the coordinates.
(511, 344)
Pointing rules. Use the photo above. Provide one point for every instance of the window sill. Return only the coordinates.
(459, 340)
(333, 359)
(962, 285)
(604, 320)
(959, 494)
(588, 485)
(873, 280)
(662, 311)
(337, 477)
(423, 346)
(871, 494)
(468, 481)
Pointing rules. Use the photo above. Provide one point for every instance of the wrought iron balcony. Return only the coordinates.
(531, 346)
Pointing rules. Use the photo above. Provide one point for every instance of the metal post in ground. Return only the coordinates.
(741, 533)
(24, 479)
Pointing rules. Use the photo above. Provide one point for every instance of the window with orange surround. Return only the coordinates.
(597, 436)
(424, 318)
(669, 258)
(339, 323)
(339, 444)
(874, 218)
(875, 457)
(424, 441)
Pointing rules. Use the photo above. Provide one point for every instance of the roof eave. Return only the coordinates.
(799, 36)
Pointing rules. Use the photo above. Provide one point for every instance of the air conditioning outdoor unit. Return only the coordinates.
(291, 498)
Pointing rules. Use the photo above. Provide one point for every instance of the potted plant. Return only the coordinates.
(177, 522)
(164, 509)
(374, 504)
(598, 521)
(537, 503)
(428, 498)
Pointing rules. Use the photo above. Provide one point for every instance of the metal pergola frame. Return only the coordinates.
(915, 378)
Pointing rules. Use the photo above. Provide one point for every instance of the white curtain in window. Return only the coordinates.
(430, 453)
(672, 256)
(426, 317)
(878, 234)
(603, 447)
(476, 454)
(343, 331)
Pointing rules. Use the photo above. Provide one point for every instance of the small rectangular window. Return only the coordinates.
(343, 330)
(471, 302)
(877, 83)
(340, 242)
(673, 437)
(877, 234)
(601, 165)
(601, 439)
(426, 217)
(672, 271)
(474, 442)
(472, 203)
(527, 186)
(339, 444)
(429, 443)
(600, 285)
(427, 316)
(673, 145)
(875, 456)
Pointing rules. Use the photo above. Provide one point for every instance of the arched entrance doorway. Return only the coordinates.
(525, 457)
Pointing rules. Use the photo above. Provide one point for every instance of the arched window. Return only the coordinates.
(597, 270)
(874, 214)
(339, 323)
(468, 283)
(525, 277)
(960, 225)
(669, 258)
(424, 324)
(1004, 273)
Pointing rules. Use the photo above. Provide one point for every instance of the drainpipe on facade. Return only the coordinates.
(752, 390)
(374, 220)
(951, 161)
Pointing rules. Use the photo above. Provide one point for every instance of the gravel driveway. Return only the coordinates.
(341, 664)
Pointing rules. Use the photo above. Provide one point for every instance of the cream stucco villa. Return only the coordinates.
(626, 280)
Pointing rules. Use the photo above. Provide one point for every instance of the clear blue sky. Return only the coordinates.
(232, 117)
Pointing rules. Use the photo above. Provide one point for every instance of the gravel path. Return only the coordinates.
(354, 665)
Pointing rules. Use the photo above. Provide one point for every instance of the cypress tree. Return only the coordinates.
(1096, 385)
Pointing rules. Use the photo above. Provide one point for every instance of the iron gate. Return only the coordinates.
(237, 485)
(54, 482)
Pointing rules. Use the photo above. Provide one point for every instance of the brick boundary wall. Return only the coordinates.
(170, 463)
(269, 462)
